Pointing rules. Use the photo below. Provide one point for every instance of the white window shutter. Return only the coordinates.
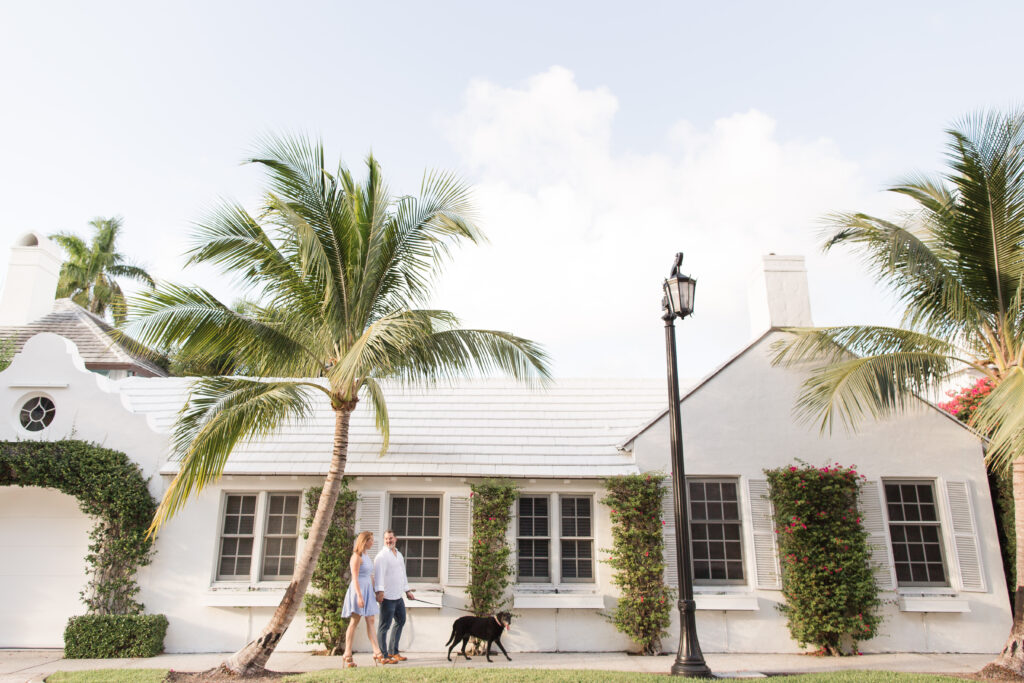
(873, 521)
(459, 519)
(766, 555)
(965, 536)
(668, 530)
(370, 516)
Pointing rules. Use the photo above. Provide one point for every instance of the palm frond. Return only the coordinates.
(221, 412)
(380, 412)
(133, 272)
(875, 386)
(203, 328)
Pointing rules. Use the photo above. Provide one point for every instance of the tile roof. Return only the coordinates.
(90, 333)
(474, 428)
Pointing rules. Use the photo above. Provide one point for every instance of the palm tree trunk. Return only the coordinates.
(251, 660)
(1012, 656)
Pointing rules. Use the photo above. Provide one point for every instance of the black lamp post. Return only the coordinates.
(678, 302)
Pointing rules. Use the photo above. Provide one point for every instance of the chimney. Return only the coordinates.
(780, 297)
(31, 280)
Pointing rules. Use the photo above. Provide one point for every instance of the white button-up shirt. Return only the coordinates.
(389, 573)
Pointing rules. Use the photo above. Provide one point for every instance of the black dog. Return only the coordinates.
(484, 628)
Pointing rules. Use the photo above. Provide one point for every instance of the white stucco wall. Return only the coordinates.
(734, 425)
(741, 422)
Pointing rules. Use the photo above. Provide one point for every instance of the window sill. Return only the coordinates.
(546, 600)
(933, 603)
(726, 602)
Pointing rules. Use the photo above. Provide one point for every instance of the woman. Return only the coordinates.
(359, 599)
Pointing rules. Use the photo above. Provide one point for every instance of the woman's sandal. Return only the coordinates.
(384, 659)
(348, 663)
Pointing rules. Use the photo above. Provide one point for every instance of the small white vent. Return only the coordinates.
(873, 520)
(459, 516)
(965, 536)
(766, 556)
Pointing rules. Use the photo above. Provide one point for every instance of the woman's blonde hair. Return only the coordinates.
(362, 542)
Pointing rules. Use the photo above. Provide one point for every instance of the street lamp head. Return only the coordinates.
(679, 291)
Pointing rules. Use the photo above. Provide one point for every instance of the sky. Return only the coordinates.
(600, 139)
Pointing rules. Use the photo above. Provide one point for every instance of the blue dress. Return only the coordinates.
(351, 605)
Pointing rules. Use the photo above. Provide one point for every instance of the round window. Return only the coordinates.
(37, 413)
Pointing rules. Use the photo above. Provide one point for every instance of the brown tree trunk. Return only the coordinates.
(251, 660)
(1012, 657)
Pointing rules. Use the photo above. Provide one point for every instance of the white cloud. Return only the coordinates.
(581, 237)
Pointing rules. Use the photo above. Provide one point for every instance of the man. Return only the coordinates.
(391, 581)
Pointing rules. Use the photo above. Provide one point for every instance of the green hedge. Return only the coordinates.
(102, 636)
(831, 596)
(644, 609)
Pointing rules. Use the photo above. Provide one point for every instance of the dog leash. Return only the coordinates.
(434, 604)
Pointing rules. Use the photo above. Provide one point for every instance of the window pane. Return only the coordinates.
(432, 507)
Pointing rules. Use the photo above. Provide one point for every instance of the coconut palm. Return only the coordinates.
(336, 267)
(957, 265)
(88, 276)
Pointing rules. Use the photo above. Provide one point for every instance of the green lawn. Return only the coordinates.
(467, 675)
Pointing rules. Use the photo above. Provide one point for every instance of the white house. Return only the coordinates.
(220, 566)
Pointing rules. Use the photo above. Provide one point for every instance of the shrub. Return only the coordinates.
(830, 590)
(645, 602)
(100, 636)
(489, 552)
(324, 623)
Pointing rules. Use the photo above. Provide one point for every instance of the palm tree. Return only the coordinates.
(336, 267)
(88, 274)
(957, 265)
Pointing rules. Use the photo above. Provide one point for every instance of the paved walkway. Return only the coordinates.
(17, 666)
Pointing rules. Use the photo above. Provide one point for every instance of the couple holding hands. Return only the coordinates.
(382, 581)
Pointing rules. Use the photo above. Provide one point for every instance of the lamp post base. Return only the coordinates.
(689, 659)
(696, 669)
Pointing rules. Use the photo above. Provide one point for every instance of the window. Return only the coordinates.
(416, 521)
(716, 546)
(543, 557)
(577, 539)
(37, 413)
(261, 525)
(916, 533)
(282, 536)
(533, 542)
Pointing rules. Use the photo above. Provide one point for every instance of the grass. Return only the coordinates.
(109, 676)
(467, 675)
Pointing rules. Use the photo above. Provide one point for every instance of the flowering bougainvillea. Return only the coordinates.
(489, 552)
(831, 598)
(645, 602)
(963, 402)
